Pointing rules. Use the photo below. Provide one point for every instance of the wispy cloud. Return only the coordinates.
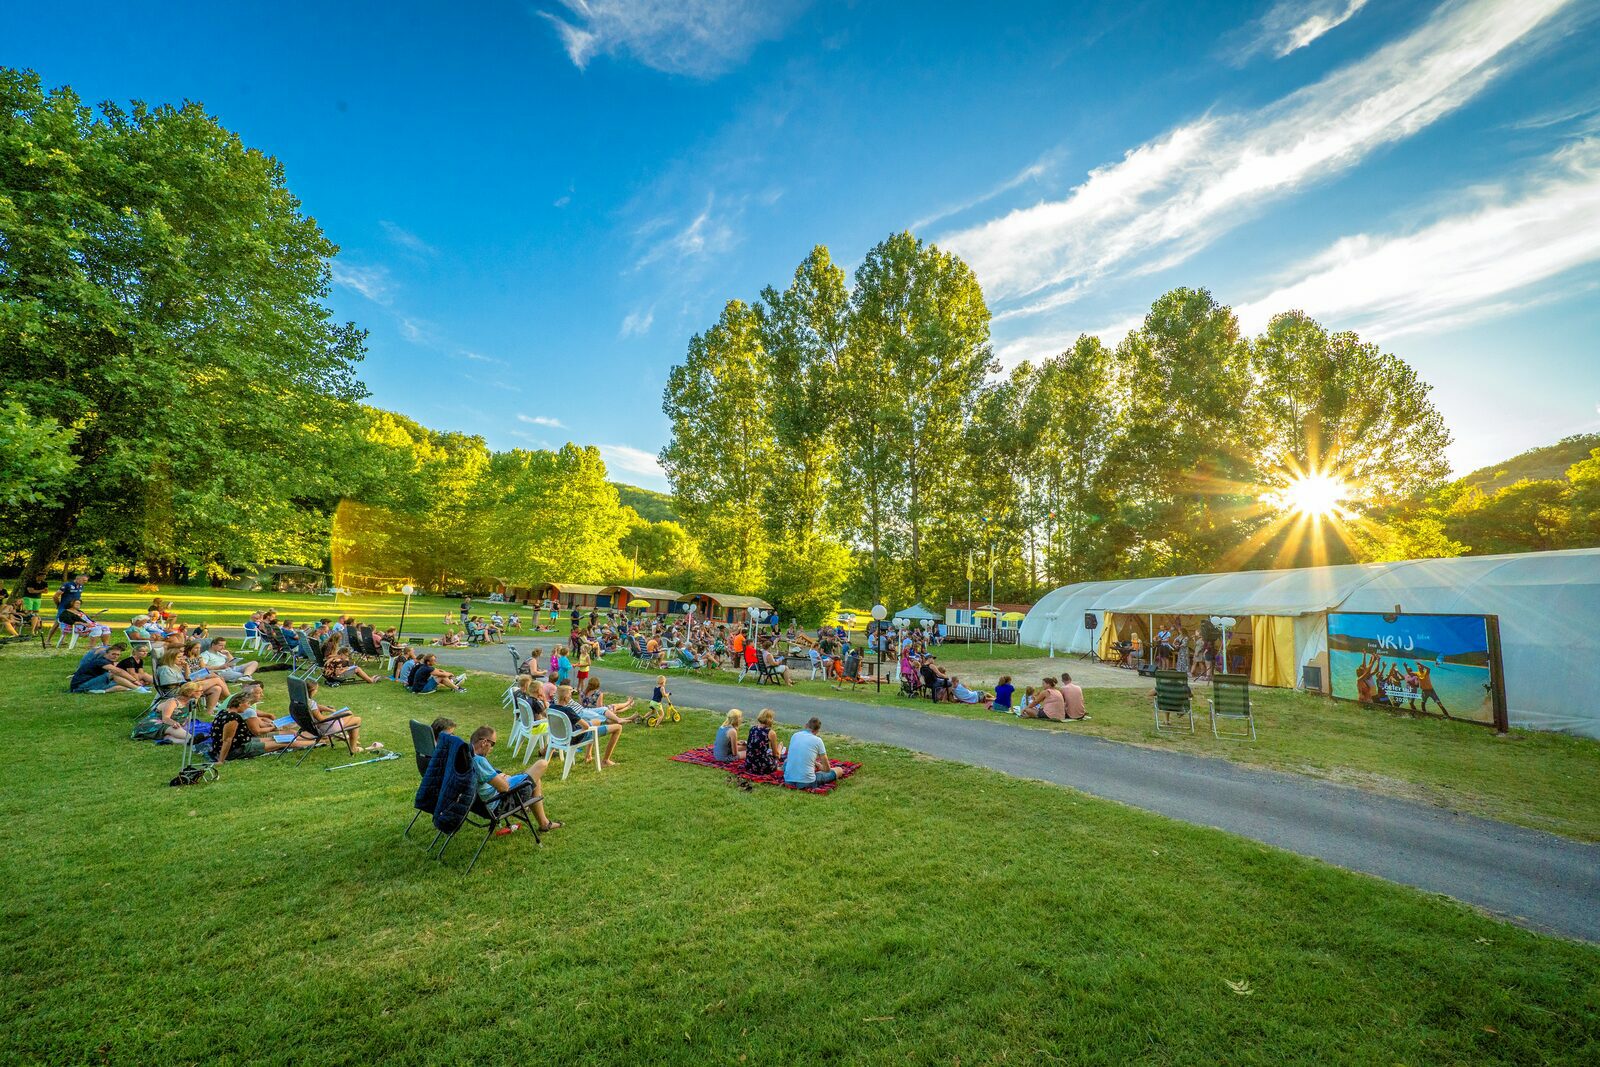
(1027, 174)
(373, 283)
(1172, 196)
(406, 239)
(540, 420)
(635, 461)
(1481, 263)
(700, 38)
(637, 323)
(708, 233)
(1290, 25)
(417, 331)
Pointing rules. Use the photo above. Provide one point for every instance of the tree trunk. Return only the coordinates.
(48, 548)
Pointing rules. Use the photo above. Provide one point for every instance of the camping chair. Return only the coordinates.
(1173, 698)
(527, 728)
(516, 660)
(423, 741)
(479, 815)
(766, 673)
(300, 711)
(1230, 699)
(559, 741)
(475, 635)
(306, 661)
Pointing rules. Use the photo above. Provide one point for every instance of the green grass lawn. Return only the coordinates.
(924, 912)
(1546, 781)
(230, 608)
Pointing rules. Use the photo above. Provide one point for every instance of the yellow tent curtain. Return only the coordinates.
(1272, 659)
(1108, 634)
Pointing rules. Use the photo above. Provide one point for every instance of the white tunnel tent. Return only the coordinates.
(1547, 603)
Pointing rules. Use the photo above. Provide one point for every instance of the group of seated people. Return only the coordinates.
(805, 759)
(587, 713)
(1056, 699)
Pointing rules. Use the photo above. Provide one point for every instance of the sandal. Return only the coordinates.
(552, 825)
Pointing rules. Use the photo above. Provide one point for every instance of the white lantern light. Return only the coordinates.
(879, 612)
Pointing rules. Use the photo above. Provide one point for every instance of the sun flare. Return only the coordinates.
(1314, 495)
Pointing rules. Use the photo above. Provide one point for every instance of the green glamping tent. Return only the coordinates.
(915, 613)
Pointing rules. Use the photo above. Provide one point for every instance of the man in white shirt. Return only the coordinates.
(807, 763)
(218, 661)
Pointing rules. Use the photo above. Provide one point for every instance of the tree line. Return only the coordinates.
(176, 395)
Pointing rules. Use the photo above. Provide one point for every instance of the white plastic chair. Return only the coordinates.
(525, 729)
(508, 699)
(252, 643)
(558, 741)
(816, 662)
(77, 630)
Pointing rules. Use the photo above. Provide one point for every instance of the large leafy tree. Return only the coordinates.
(1333, 401)
(161, 297)
(722, 455)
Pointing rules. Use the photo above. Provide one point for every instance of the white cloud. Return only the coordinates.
(700, 38)
(1027, 174)
(1474, 265)
(540, 420)
(706, 235)
(637, 323)
(371, 282)
(406, 239)
(562, 201)
(1290, 25)
(635, 461)
(1172, 196)
(416, 331)
(1042, 346)
(477, 357)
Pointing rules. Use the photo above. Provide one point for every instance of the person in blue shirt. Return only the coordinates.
(98, 673)
(807, 763)
(502, 793)
(727, 746)
(1002, 694)
(563, 669)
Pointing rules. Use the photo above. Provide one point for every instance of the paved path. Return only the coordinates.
(1535, 879)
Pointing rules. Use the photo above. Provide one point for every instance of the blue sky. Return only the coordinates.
(539, 203)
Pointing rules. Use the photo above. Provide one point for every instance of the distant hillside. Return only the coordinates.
(1551, 461)
(651, 505)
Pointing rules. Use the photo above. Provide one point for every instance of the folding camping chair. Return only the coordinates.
(1230, 699)
(300, 712)
(478, 814)
(423, 742)
(1173, 697)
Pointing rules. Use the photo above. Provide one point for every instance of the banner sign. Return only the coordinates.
(1445, 665)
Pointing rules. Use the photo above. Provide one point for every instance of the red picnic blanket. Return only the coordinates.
(702, 757)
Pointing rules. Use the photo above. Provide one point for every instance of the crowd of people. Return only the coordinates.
(804, 759)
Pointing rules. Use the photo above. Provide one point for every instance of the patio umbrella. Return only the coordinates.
(1013, 616)
(638, 603)
(983, 614)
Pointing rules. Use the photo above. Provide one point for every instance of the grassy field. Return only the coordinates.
(230, 608)
(1543, 780)
(924, 912)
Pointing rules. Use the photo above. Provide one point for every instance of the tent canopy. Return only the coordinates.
(917, 613)
(1548, 604)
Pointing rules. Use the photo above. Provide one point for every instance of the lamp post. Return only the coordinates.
(879, 613)
(1051, 620)
(408, 589)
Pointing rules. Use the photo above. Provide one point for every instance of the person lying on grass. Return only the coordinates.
(428, 676)
(238, 732)
(727, 747)
(98, 672)
(960, 694)
(346, 726)
(336, 664)
(503, 793)
(585, 731)
(161, 721)
(762, 753)
(807, 763)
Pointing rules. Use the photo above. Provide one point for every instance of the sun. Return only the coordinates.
(1313, 495)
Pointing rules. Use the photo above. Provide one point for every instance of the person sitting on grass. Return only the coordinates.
(331, 724)
(1047, 703)
(1003, 693)
(807, 763)
(98, 672)
(503, 793)
(960, 694)
(160, 723)
(762, 753)
(727, 747)
(428, 676)
(585, 732)
(1072, 699)
(405, 661)
(336, 664)
(238, 732)
(220, 662)
(133, 665)
(451, 638)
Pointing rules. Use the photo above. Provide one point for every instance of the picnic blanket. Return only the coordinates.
(702, 757)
